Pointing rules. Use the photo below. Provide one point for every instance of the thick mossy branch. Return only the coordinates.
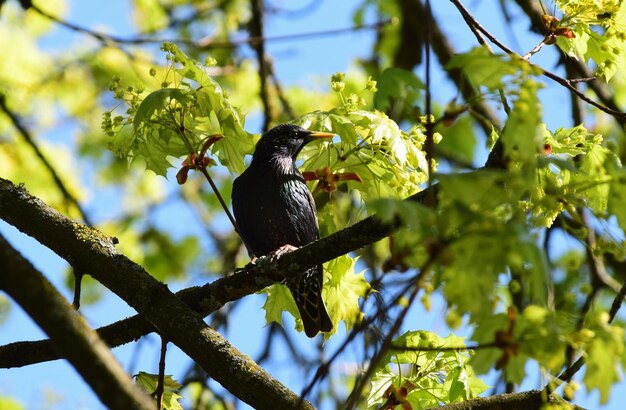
(532, 399)
(89, 251)
(70, 334)
(204, 299)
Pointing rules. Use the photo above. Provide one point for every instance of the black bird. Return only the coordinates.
(273, 208)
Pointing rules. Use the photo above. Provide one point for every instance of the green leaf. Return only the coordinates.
(174, 122)
(149, 383)
(5, 308)
(484, 333)
(341, 125)
(603, 355)
(539, 333)
(568, 141)
(398, 91)
(237, 142)
(522, 137)
(486, 250)
(480, 189)
(542, 335)
(484, 68)
(433, 377)
(411, 213)
(157, 101)
(617, 197)
(390, 162)
(596, 187)
(599, 33)
(279, 300)
(381, 381)
(342, 292)
(459, 141)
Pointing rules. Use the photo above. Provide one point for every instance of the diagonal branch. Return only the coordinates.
(532, 399)
(444, 51)
(534, 12)
(26, 135)
(32, 217)
(87, 250)
(616, 113)
(568, 373)
(70, 333)
(205, 43)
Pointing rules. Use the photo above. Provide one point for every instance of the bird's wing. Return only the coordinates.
(271, 214)
(303, 215)
(245, 215)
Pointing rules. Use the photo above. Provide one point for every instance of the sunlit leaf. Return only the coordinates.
(149, 383)
(439, 373)
(343, 291)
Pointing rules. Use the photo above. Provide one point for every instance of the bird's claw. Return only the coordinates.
(285, 249)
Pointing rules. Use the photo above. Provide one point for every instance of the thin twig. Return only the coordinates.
(472, 22)
(568, 373)
(207, 42)
(287, 110)
(443, 348)
(256, 29)
(581, 80)
(388, 340)
(481, 40)
(219, 197)
(26, 135)
(430, 144)
(565, 83)
(387, 343)
(538, 47)
(443, 49)
(160, 389)
(535, 13)
(617, 303)
(322, 371)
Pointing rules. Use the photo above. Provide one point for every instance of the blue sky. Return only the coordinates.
(296, 62)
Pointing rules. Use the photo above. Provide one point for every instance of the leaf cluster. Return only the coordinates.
(425, 370)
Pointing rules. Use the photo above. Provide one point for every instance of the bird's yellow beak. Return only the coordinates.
(316, 134)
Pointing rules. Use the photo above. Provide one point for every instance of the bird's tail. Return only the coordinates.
(307, 292)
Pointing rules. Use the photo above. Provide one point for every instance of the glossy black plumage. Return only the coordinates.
(273, 207)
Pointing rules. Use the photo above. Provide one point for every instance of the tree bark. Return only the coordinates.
(87, 250)
(71, 336)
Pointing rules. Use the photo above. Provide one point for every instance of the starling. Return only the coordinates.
(274, 208)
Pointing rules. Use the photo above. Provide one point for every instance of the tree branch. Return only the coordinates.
(444, 51)
(89, 251)
(534, 12)
(619, 116)
(206, 43)
(256, 29)
(70, 333)
(26, 135)
(14, 202)
(532, 399)
(568, 373)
